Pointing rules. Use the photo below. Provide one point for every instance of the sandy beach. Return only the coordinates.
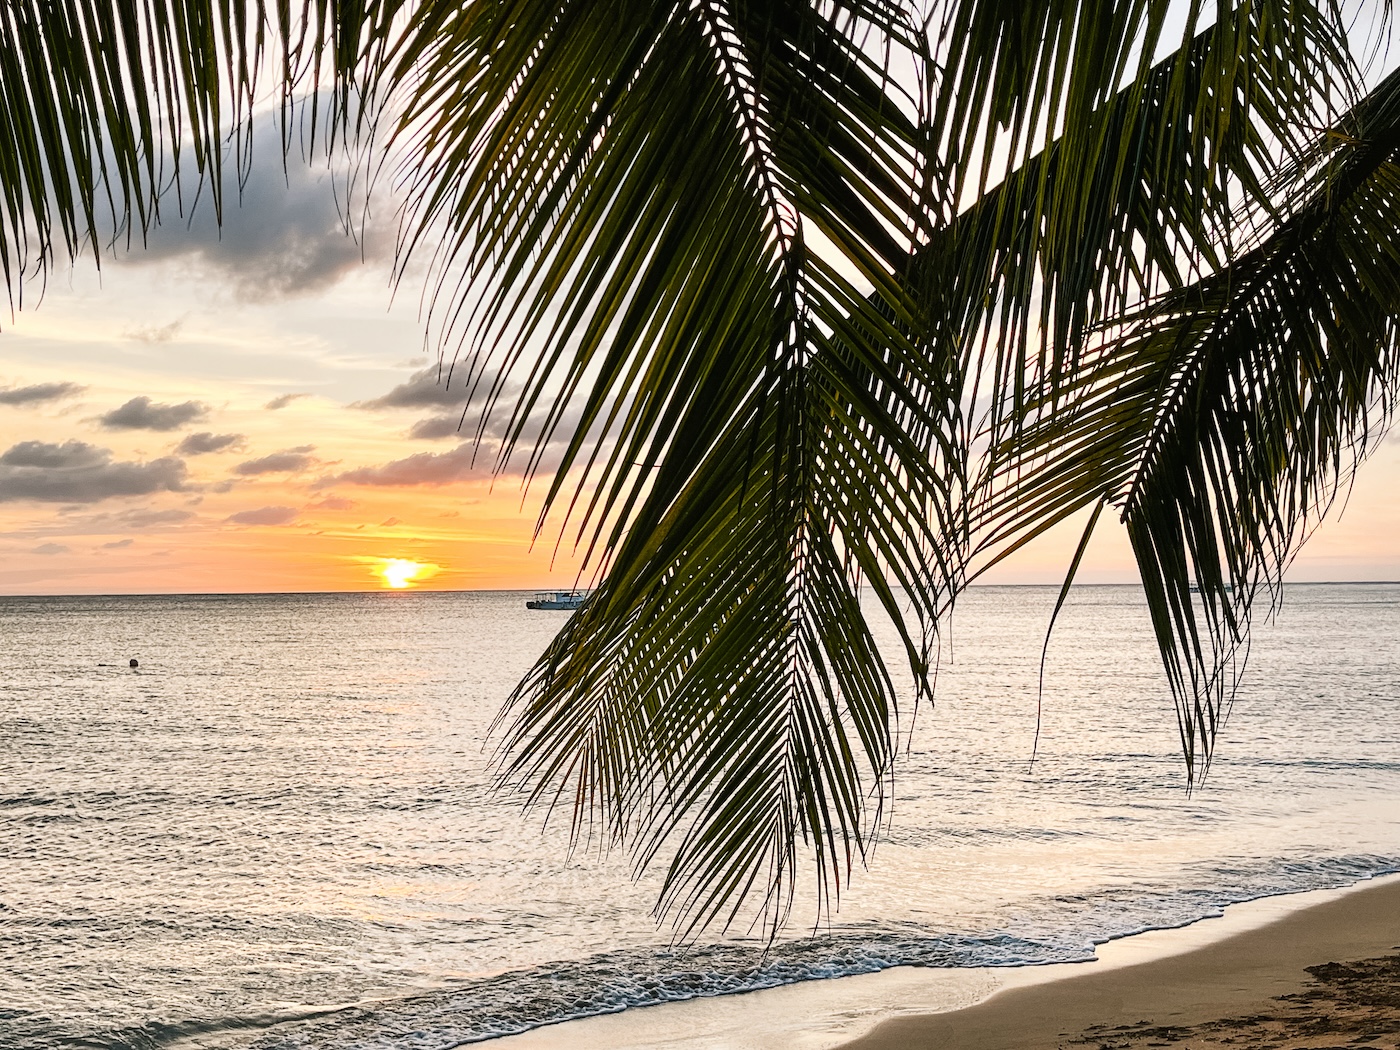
(1325, 976)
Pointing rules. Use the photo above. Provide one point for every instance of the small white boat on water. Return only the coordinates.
(557, 600)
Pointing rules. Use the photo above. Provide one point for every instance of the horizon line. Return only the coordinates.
(523, 590)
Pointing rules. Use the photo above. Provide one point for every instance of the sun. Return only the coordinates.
(399, 573)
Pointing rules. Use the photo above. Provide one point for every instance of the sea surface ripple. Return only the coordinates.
(280, 830)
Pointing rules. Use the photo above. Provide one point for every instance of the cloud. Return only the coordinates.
(76, 472)
(283, 235)
(424, 468)
(431, 387)
(43, 455)
(154, 333)
(204, 442)
(37, 392)
(435, 427)
(264, 516)
(333, 503)
(389, 523)
(286, 461)
(141, 413)
(282, 401)
(50, 548)
(144, 519)
(117, 545)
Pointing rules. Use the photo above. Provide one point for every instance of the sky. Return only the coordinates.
(255, 409)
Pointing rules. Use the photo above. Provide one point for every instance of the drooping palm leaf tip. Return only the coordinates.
(831, 306)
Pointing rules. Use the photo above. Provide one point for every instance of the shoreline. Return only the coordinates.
(1240, 975)
(1207, 969)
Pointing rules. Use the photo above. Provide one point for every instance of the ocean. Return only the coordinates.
(280, 830)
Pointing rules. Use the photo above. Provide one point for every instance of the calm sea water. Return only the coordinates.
(279, 832)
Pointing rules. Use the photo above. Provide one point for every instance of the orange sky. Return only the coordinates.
(244, 411)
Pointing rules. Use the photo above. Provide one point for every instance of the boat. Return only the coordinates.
(557, 600)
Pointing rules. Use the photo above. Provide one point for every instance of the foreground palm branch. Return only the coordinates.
(833, 306)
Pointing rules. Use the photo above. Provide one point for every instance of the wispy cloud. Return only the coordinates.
(50, 548)
(154, 333)
(424, 468)
(436, 427)
(141, 413)
(282, 401)
(117, 545)
(289, 460)
(38, 393)
(264, 516)
(145, 519)
(333, 503)
(204, 442)
(430, 387)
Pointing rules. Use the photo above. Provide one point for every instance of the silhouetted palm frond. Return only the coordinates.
(1222, 416)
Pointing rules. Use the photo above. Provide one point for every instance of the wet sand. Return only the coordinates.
(1324, 976)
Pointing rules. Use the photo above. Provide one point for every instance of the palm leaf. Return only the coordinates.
(1222, 417)
(645, 201)
(1143, 188)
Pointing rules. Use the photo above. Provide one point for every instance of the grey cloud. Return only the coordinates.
(435, 387)
(46, 456)
(427, 388)
(289, 459)
(466, 460)
(435, 427)
(144, 519)
(37, 392)
(283, 236)
(282, 401)
(117, 545)
(76, 472)
(424, 468)
(204, 442)
(141, 413)
(50, 548)
(264, 516)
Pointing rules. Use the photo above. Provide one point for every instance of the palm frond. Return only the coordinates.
(1221, 417)
(1143, 187)
(721, 687)
(639, 187)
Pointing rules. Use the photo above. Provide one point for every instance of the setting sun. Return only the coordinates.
(400, 573)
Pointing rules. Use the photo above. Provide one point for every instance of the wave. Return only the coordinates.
(1054, 929)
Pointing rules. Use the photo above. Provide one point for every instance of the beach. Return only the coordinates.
(1327, 975)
